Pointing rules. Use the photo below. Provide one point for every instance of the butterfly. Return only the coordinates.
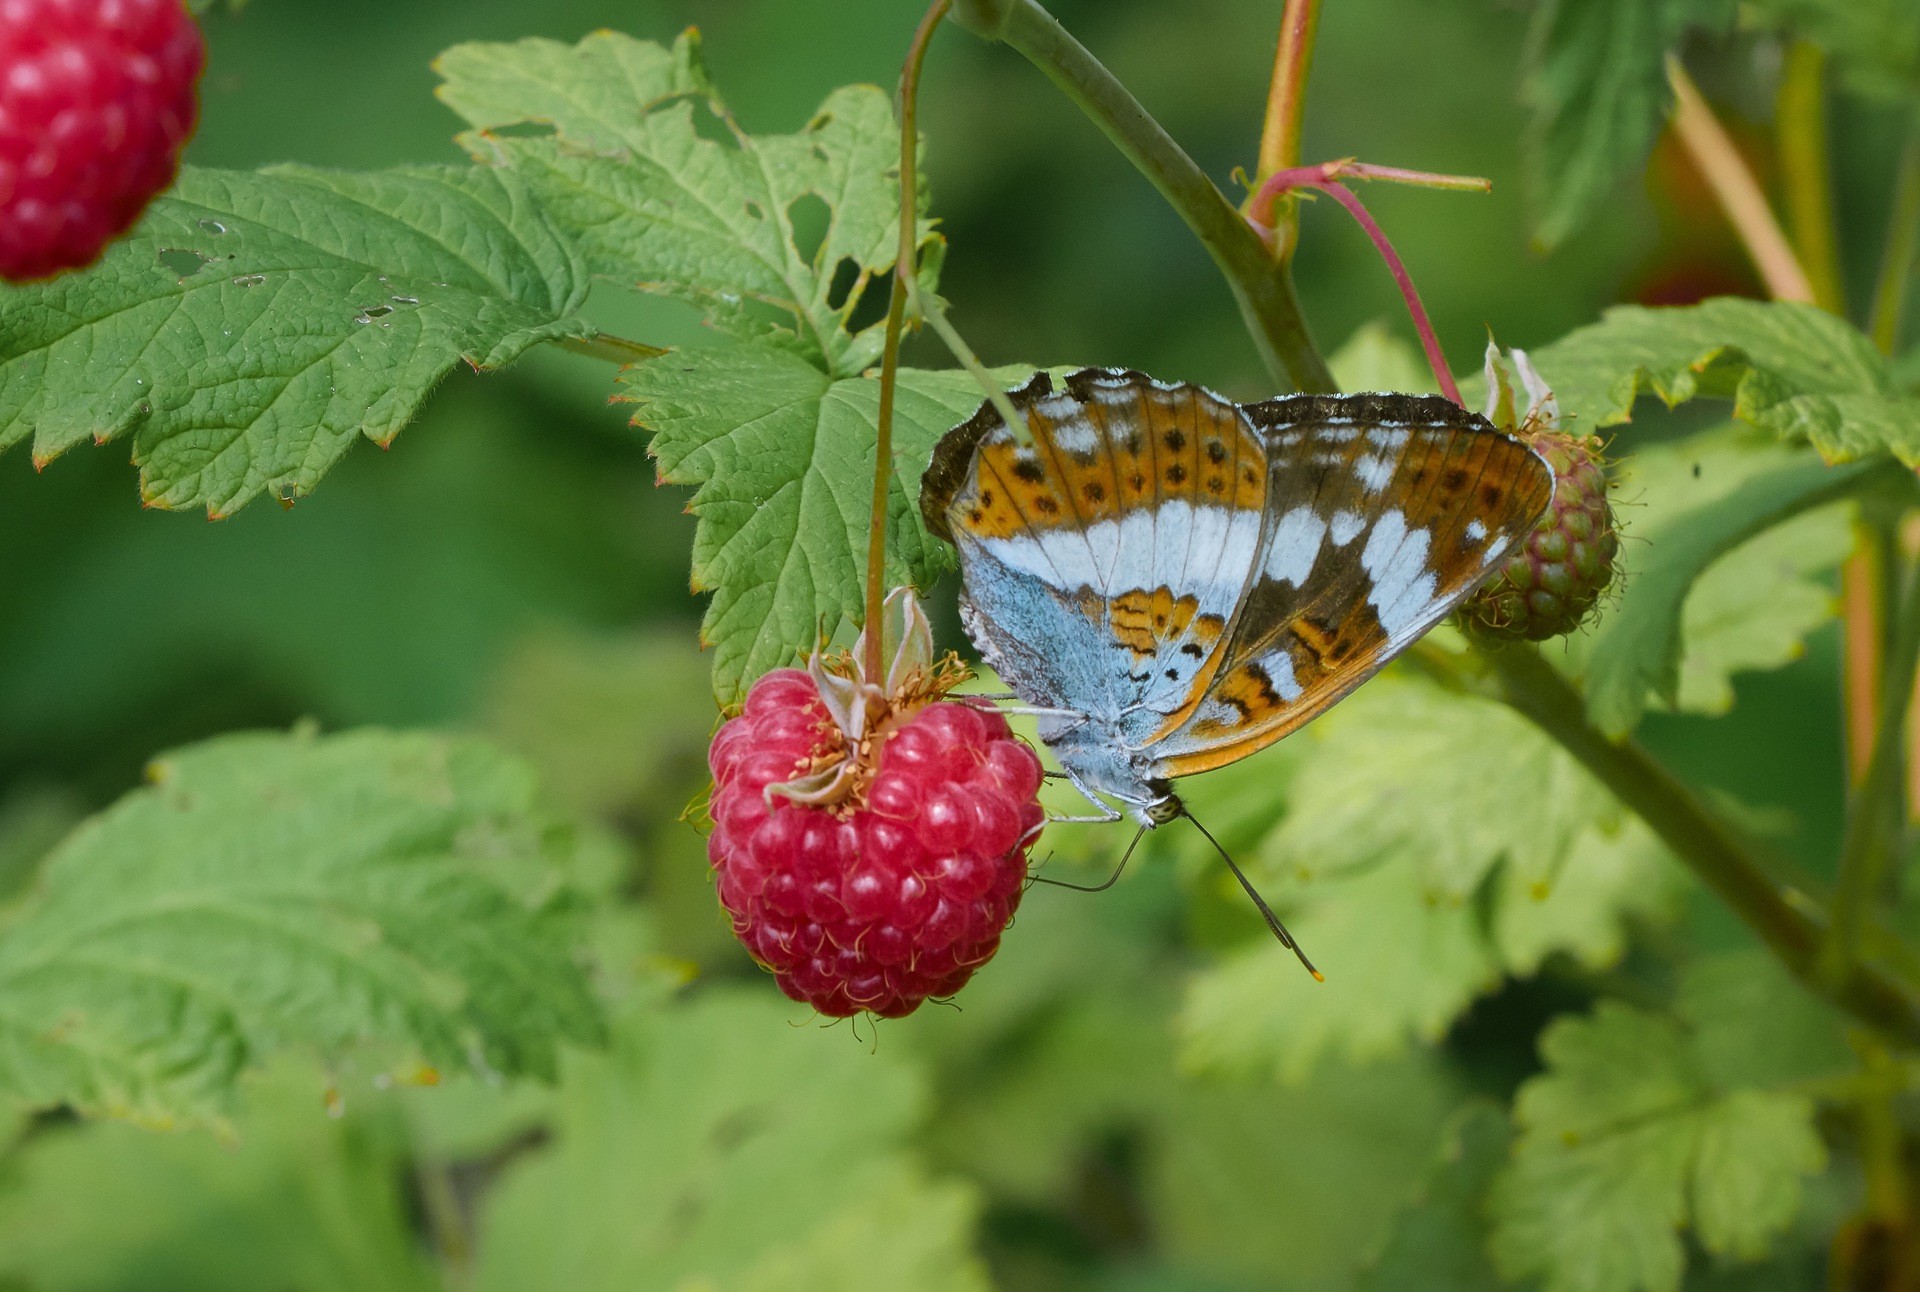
(1173, 581)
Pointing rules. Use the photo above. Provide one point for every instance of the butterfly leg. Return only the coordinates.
(1108, 814)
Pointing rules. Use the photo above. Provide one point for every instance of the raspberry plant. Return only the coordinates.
(467, 1010)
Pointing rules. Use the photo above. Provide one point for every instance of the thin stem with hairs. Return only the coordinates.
(903, 268)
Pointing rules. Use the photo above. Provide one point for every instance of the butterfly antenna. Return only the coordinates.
(1112, 879)
(1273, 921)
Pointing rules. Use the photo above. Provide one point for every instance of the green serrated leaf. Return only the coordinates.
(1447, 843)
(1625, 1141)
(1459, 784)
(1795, 370)
(783, 457)
(1610, 878)
(723, 226)
(1752, 1023)
(716, 1146)
(254, 326)
(1398, 964)
(298, 1200)
(1598, 93)
(1750, 609)
(273, 891)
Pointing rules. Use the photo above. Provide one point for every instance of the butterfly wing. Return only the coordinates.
(1103, 562)
(1384, 513)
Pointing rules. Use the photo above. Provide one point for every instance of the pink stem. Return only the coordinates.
(1326, 178)
(1421, 323)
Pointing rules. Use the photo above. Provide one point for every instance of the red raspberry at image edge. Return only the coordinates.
(97, 99)
(900, 894)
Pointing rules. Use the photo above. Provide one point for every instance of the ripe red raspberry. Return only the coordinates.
(901, 889)
(1552, 580)
(96, 101)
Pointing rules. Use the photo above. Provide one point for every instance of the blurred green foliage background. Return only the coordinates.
(509, 567)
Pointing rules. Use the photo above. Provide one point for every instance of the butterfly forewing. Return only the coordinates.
(1104, 560)
(1383, 513)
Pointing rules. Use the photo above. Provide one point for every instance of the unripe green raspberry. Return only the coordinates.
(1551, 582)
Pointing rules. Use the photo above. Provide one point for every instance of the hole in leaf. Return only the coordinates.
(871, 307)
(845, 275)
(183, 264)
(709, 126)
(808, 216)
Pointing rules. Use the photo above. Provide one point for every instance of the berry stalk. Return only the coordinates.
(896, 319)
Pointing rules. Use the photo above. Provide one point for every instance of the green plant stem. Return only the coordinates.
(1806, 177)
(1903, 240)
(1286, 104)
(1788, 922)
(1882, 1140)
(903, 267)
(611, 348)
(1874, 817)
(1262, 287)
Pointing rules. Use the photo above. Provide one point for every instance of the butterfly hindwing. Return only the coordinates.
(1384, 512)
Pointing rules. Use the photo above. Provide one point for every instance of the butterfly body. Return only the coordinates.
(1176, 581)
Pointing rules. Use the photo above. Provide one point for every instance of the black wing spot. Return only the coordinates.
(1250, 476)
(1216, 486)
(1138, 481)
(1263, 680)
(1194, 649)
(1176, 473)
(976, 516)
(1454, 480)
(1173, 675)
(1216, 452)
(1132, 443)
(1493, 494)
(1029, 470)
(1094, 490)
(986, 497)
(1174, 440)
(1046, 505)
